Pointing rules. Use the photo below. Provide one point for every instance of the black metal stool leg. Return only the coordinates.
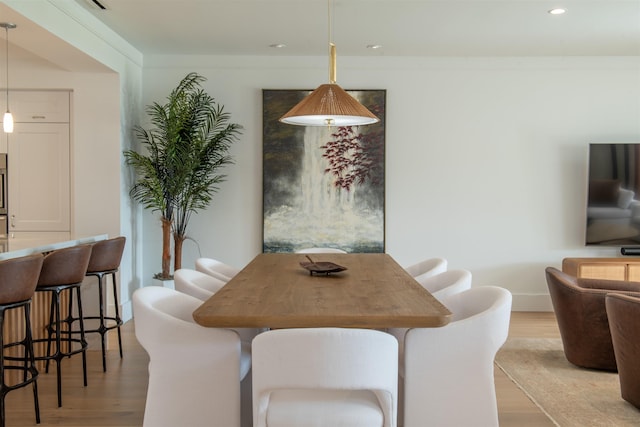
(58, 348)
(3, 390)
(30, 355)
(83, 341)
(52, 311)
(118, 319)
(102, 328)
(68, 321)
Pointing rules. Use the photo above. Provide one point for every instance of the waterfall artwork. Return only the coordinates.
(323, 186)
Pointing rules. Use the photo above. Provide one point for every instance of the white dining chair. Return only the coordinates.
(194, 372)
(446, 283)
(448, 371)
(324, 377)
(203, 286)
(441, 286)
(216, 268)
(196, 283)
(321, 251)
(428, 267)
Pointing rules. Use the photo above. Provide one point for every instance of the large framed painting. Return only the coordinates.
(323, 186)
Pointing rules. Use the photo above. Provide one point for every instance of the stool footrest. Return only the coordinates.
(59, 353)
(117, 324)
(31, 370)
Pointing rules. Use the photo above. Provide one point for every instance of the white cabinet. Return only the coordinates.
(38, 177)
(38, 153)
(39, 106)
(35, 106)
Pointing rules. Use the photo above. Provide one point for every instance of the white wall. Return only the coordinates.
(486, 157)
(106, 105)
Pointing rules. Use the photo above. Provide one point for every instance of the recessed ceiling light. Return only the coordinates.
(557, 11)
(374, 46)
(277, 45)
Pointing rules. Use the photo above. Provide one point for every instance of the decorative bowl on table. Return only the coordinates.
(321, 267)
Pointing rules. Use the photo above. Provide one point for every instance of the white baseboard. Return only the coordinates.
(126, 311)
(531, 302)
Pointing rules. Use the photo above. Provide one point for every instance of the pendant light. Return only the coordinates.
(7, 121)
(329, 104)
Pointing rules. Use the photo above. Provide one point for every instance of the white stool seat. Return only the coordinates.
(317, 408)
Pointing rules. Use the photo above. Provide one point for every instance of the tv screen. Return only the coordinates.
(613, 201)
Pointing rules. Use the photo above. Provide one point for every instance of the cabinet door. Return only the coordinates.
(633, 272)
(37, 106)
(38, 177)
(603, 270)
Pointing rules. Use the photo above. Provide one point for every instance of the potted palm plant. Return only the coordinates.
(180, 171)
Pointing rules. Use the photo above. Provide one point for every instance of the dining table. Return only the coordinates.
(290, 290)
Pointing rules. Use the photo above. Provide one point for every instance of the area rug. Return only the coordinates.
(568, 395)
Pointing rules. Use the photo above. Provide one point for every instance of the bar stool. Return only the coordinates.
(18, 279)
(64, 270)
(105, 260)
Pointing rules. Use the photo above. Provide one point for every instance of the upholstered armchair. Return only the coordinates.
(624, 322)
(216, 268)
(449, 376)
(195, 372)
(579, 306)
(325, 377)
(427, 268)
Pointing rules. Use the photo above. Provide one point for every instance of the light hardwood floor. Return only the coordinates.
(116, 398)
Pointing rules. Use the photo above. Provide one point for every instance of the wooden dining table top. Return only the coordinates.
(275, 291)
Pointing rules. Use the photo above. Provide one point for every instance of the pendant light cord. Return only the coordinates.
(332, 46)
(329, 20)
(6, 29)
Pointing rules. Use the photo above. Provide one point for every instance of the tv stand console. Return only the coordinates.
(603, 268)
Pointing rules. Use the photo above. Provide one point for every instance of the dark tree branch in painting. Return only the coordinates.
(355, 158)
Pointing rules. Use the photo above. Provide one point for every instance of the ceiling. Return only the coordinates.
(401, 27)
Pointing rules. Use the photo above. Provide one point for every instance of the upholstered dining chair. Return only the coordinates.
(324, 377)
(216, 268)
(454, 363)
(321, 251)
(194, 372)
(428, 267)
(624, 322)
(579, 306)
(196, 283)
(441, 286)
(446, 283)
(203, 286)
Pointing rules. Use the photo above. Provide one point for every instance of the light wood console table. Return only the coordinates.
(603, 268)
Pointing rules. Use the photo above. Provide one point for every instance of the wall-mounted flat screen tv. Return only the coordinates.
(613, 200)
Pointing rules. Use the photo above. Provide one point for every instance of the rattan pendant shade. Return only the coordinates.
(329, 104)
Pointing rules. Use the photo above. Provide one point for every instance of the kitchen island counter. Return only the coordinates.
(15, 247)
(23, 245)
